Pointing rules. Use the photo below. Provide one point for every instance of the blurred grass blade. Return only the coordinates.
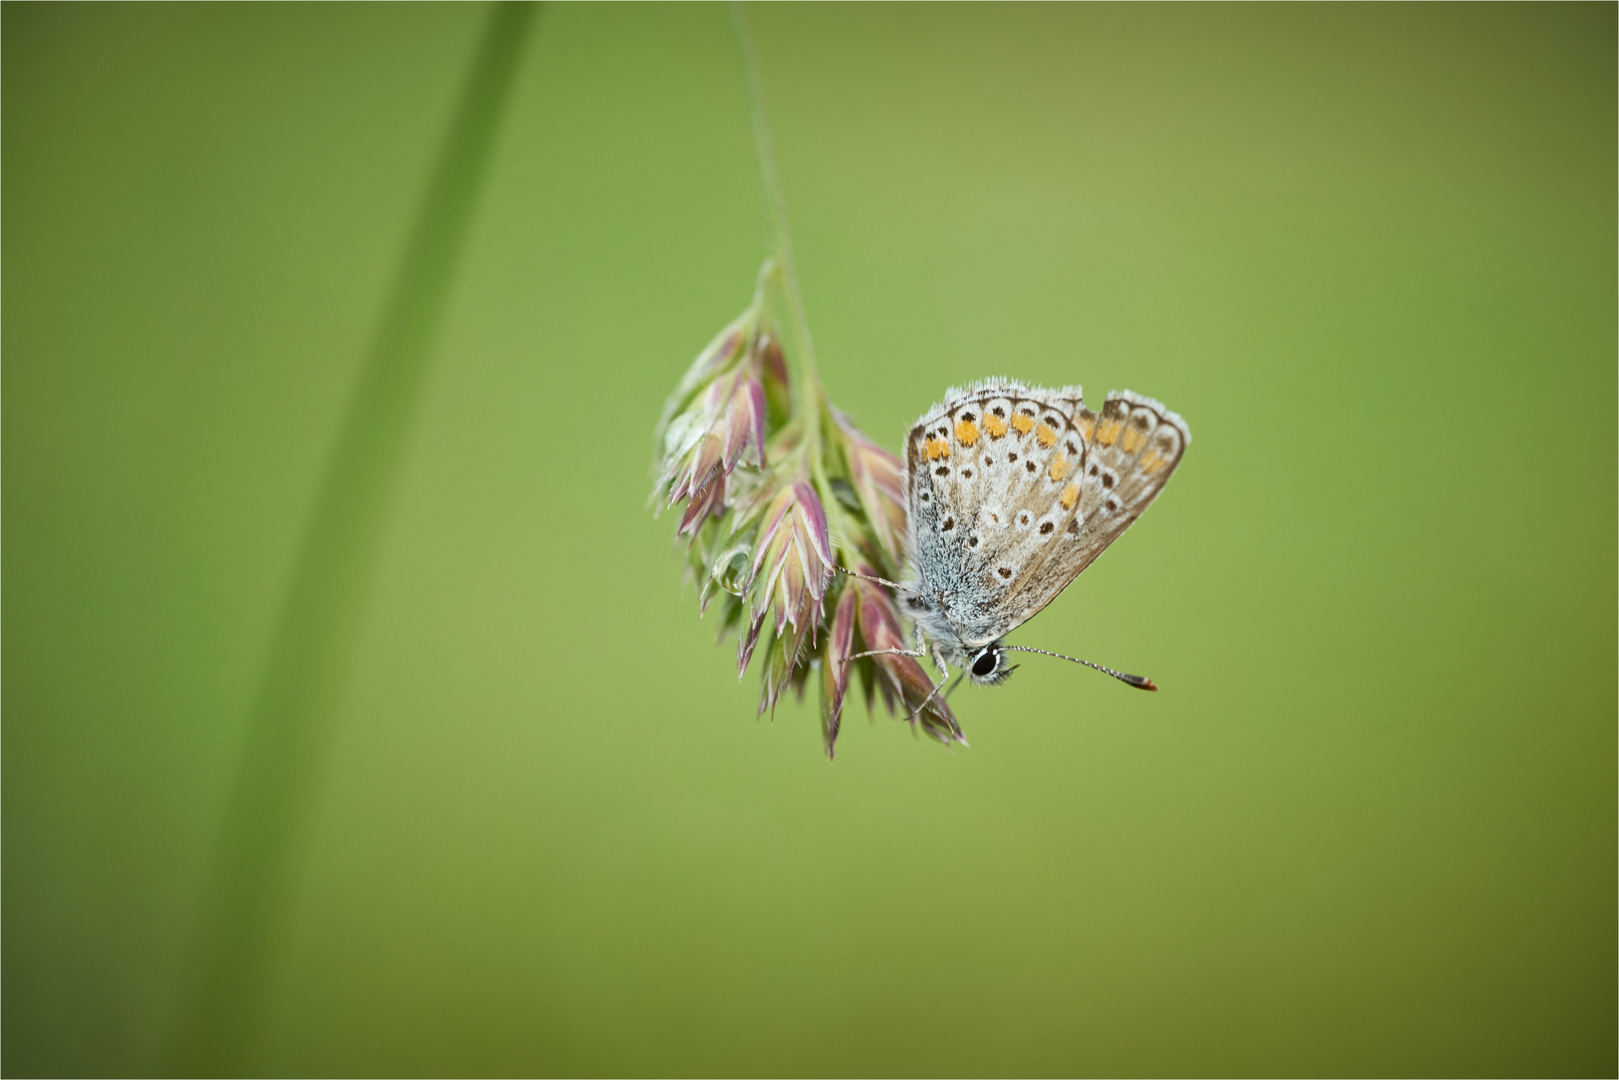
(248, 886)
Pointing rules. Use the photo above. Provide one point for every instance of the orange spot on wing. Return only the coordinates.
(966, 432)
(1023, 424)
(1046, 436)
(995, 426)
(1153, 461)
(1133, 440)
(1070, 495)
(936, 449)
(1087, 426)
(1059, 467)
(1108, 433)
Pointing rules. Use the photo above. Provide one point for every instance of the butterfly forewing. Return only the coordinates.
(1132, 448)
(1014, 490)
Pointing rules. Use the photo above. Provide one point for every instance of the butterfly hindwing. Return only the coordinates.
(1014, 490)
(992, 476)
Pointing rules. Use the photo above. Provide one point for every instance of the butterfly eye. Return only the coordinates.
(984, 665)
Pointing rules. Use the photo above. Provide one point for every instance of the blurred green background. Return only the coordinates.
(1367, 827)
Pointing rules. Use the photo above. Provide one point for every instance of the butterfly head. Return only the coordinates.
(988, 666)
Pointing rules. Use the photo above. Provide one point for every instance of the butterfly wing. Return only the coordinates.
(1014, 490)
(982, 495)
(1131, 450)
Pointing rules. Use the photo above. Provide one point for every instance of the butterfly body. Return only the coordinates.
(1012, 491)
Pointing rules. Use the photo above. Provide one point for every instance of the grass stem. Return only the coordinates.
(249, 885)
(780, 237)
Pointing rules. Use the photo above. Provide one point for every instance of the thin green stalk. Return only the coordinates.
(800, 351)
(248, 889)
(780, 239)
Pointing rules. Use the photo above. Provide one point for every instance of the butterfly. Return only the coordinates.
(1012, 491)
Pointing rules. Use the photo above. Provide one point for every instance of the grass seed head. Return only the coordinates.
(780, 489)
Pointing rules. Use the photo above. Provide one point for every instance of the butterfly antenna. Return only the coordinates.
(878, 580)
(1140, 682)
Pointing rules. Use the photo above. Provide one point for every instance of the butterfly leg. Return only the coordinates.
(953, 685)
(937, 659)
(880, 581)
(919, 651)
(887, 652)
